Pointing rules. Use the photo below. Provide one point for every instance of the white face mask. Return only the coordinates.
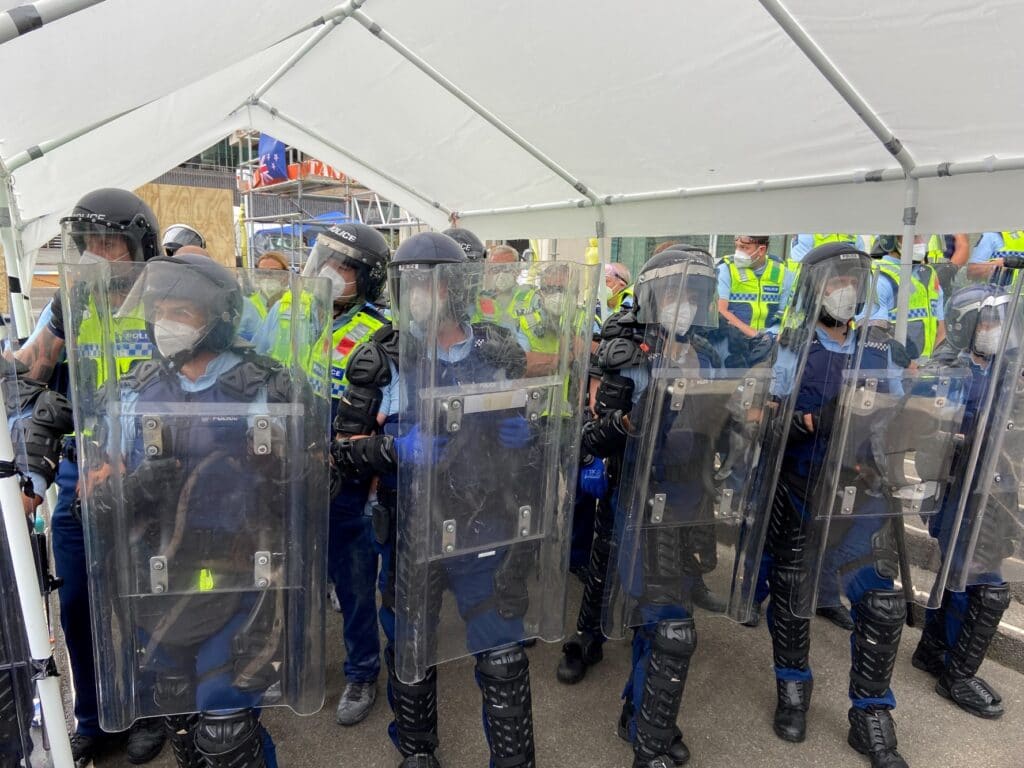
(88, 257)
(339, 285)
(742, 259)
(841, 304)
(553, 302)
(421, 306)
(504, 281)
(986, 342)
(677, 321)
(920, 251)
(172, 337)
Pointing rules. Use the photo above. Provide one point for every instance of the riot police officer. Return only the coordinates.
(478, 538)
(659, 385)
(112, 225)
(354, 258)
(179, 235)
(957, 633)
(834, 285)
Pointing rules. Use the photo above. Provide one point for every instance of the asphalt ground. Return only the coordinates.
(726, 715)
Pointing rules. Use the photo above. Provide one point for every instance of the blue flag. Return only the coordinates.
(273, 164)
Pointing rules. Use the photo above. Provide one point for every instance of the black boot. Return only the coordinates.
(703, 597)
(794, 699)
(791, 647)
(656, 731)
(182, 737)
(873, 733)
(231, 739)
(415, 709)
(678, 752)
(420, 761)
(960, 681)
(579, 652)
(504, 678)
(838, 615)
(930, 654)
(876, 639)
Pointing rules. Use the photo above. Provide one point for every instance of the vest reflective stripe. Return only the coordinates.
(346, 338)
(489, 310)
(936, 248)
(833, 237)
(920, 303)
(1013, 244)
(131, 342)
(616, 301)
(258, 304)
(756, 300)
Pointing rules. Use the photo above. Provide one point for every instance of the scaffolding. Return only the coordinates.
(268, 224)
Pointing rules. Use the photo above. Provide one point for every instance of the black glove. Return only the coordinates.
(498, 346)
(605, 435)
(56, 324)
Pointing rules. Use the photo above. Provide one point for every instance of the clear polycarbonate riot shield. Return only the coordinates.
(989, 547)
(690, 506)
(892, 456)
(204, 490)
(487, 443)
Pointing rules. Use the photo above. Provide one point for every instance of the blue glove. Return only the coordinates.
(514, 432)
(593, 480)
(416, 448)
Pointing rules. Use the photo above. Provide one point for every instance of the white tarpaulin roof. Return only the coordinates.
(697, 116)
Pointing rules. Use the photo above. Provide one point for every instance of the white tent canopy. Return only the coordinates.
(539, 118)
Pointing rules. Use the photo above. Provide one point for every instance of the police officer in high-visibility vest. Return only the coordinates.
(503, 300)
(354, 258)
(113, 225)
(801, 245)
(992, 248)
(618, 280)
(926, 319)
(753, 289)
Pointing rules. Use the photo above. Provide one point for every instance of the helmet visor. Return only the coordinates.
(92, 240)
(678, 297)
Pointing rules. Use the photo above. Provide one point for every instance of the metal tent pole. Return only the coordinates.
(31, 601)
(14, 259)
(285, 118)
(906, 259)
(31, 16)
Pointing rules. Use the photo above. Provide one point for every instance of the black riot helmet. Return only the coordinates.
(835, 279)
(678, 289)
(212, 291)
(886, 244)
(179, 235)
(423, 258)
(357, 246)
(114, 221)
(470, 243)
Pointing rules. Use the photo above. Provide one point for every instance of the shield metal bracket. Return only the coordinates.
(678, 392)
(448, 531)
(523, 522)
(867, 393)
(724, 506)
(261, 569)
(657, 504)
(749, 388)
(536, 402)
(158, 575)
(849, 500)
(153, 436)
(451, 412)
(942, 392)
(261, 437)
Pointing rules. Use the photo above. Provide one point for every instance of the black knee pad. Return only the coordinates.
(676, 637)
(500, 664)
(883, 608)
(174, 693)
(994, 598)
(230, 739)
